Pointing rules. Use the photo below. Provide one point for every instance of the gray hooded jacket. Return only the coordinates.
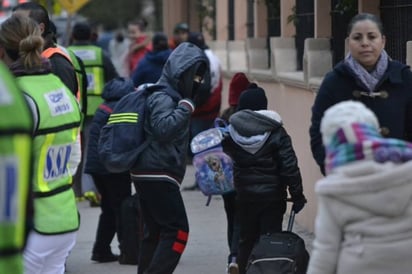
(265, 164)
(167, 120)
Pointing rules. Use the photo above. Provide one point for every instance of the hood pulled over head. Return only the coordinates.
(186, 61)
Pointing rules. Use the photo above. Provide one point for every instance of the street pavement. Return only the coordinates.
(206, 251)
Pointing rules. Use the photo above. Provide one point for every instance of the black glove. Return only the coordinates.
(298, 204)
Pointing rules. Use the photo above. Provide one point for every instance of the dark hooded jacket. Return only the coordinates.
(167, 119)
(265, 164)
(393, 107)
(150, 67)
(113, 91)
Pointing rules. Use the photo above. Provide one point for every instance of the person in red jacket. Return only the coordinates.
(139, 42)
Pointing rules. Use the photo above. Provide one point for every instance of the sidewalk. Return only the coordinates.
(205, 253)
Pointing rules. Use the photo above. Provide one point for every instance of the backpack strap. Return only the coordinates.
(222, 125)
(209, 199)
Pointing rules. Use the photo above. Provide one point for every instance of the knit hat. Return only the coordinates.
(198, 39)
(82, 31)
(253, 98)
(342, 115)
(160, 42)
(238, 84)
(350, 132)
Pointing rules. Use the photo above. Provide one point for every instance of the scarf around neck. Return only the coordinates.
(363, 142)
(369, 79)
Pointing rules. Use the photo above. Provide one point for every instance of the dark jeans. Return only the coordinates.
(166, 227)
(233, 227)
(257, 218)
(113, 188)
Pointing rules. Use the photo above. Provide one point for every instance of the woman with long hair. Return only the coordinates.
(56, 149)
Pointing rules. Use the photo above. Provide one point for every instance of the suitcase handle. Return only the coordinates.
(291, 217)
(291, 220)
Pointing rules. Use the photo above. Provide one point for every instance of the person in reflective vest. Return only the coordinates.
(98, 65)
(56, 146)
(15, 175)
(60, 65)
(99, 70)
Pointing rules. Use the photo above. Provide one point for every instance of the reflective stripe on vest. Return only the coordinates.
(15, 166)
(54, 141)
(92, 57)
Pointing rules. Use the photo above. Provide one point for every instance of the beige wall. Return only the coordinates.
(323, 20)
(286, 29)
(173, 12)
(222, 20)
(261, 29)
(370, 6)
(240, 19)
(177, 11)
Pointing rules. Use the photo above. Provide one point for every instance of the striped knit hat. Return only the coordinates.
(350, 132)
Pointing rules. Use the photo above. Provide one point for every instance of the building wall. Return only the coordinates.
(287, 29)
(178, 11)
(240, 19)
(222, 22)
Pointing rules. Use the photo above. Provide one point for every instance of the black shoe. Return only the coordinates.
(123, 259)
(191, 188)
(104, 258)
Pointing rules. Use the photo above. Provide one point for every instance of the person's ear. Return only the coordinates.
(42, 27)
(383, 40)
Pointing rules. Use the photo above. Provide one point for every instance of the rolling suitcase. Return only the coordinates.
(279, 253)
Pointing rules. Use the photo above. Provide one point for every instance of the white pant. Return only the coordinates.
(47, 254)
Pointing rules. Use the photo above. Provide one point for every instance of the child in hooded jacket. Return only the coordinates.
(265, 166)
(364, 219)
(160, 168)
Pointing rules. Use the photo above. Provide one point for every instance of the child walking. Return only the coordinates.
(265, 167)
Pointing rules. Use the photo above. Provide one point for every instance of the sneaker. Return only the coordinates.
(93, 197)
(104, 258)
(191, 188)
(233, 268)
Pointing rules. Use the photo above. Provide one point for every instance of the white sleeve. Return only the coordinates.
(215, 69)
(328, 237)
(75, 157)
(33, 109)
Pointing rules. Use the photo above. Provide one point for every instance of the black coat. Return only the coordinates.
(167, 119)
(393, 107)
(113, 91)
(267, 173)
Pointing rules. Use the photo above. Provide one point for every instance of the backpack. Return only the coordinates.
(122, 139)
(213, 167)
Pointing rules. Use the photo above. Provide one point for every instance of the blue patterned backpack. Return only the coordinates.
(214, 168)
